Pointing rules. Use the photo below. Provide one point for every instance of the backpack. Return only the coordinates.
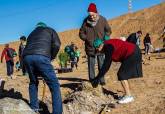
(72, 55)
(11, 53)
(67, 49)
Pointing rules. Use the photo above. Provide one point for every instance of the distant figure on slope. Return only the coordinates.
(9, 54)
(147, 44)
(135, 38)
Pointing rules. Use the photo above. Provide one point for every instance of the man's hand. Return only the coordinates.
(95, 82)
(14, 58)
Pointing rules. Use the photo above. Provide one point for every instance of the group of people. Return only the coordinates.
(10, 54)
(70, 54)
(148, 47)
(95, 32)
(43, 45)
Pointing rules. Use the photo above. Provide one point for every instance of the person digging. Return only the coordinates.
(131, 63)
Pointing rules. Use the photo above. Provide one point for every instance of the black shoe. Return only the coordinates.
(95, 83)
(102, 83)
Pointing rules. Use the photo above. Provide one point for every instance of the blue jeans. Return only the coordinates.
(41, 65)
(10, 67)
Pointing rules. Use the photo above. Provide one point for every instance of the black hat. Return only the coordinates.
(23, 38)
(139, 32)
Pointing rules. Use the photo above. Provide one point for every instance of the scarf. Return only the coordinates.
(93, 23)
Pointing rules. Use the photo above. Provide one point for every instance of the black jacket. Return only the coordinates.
(132, 38)
(147, 39)
(21, 48)
(42, 41)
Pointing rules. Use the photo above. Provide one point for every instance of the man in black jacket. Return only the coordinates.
(42, 46)
(147, 43)
(135, 38)
(20, 52)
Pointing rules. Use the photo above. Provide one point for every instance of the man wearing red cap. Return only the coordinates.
(94, 26)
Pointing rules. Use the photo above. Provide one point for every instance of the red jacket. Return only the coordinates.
(121, 49)
(4, 53)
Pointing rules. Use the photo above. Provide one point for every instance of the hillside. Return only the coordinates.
(149, 20)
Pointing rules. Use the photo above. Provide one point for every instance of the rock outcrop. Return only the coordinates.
(14, 106)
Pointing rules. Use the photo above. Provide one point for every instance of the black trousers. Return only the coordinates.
(10, 67)
(91, 66)
(23, 67)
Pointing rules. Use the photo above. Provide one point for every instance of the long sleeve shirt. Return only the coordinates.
(115, 50)
(4, 54)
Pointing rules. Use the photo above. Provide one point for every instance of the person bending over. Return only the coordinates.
(131, 63)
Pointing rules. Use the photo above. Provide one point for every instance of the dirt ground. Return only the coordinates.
(149, 91)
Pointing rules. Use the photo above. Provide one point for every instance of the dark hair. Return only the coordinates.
(139, 32)
(147, 34)
(76, 47)
(6, 45)
(23, 38)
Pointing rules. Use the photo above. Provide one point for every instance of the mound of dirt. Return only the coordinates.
(89, 100)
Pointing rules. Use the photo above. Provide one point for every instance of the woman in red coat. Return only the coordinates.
(130, 57)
